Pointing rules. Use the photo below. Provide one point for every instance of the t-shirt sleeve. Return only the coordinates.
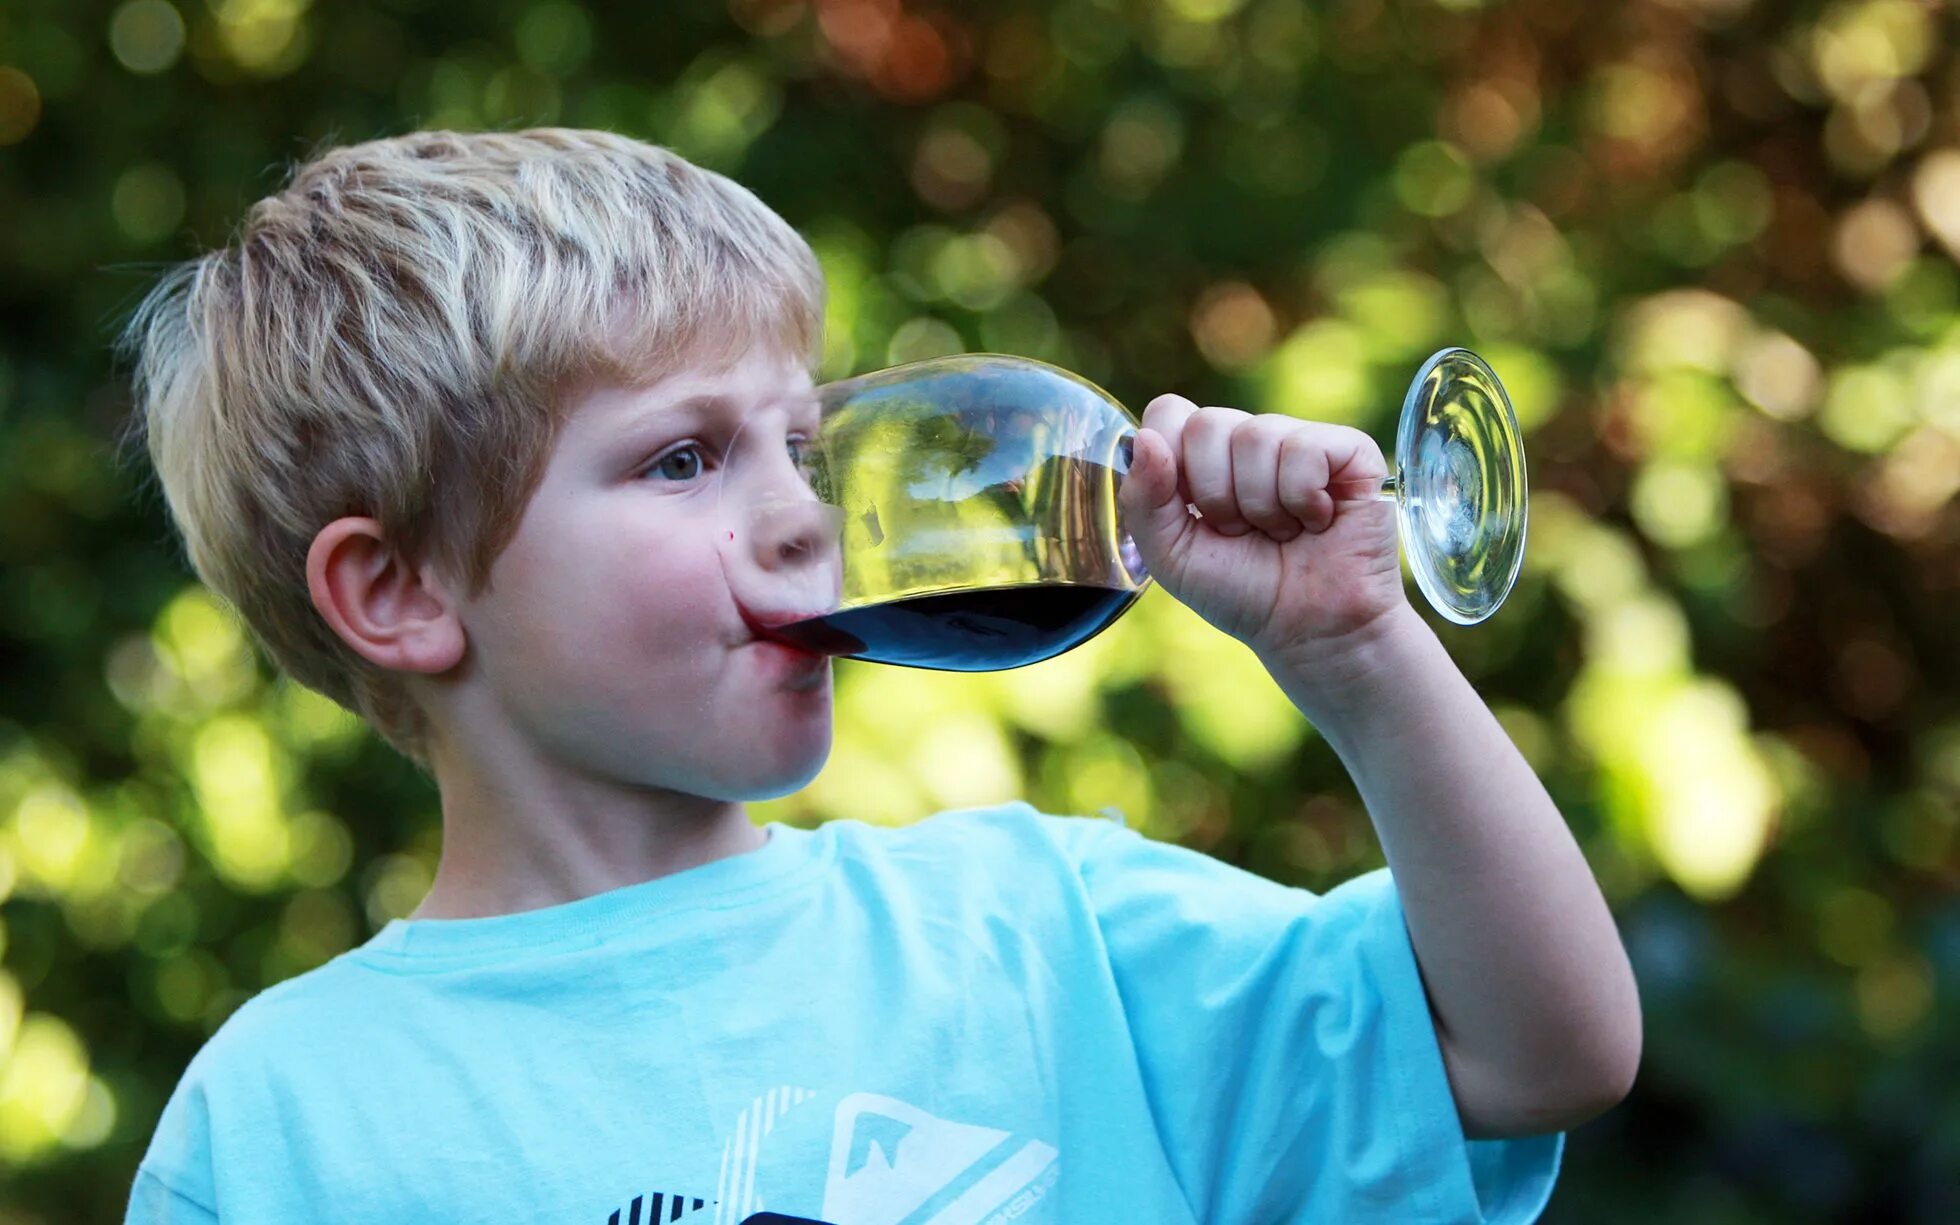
(174, 1180)
(1287, 1047)
(154, 1202)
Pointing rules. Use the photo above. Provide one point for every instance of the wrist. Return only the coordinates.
(1336, 680)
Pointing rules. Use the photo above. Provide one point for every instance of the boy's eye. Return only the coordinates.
(668, 465)
(672, 464)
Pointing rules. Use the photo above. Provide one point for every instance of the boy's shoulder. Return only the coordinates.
(238, 1065)
(316, 1006)
(1015, 830)
(1008, 828)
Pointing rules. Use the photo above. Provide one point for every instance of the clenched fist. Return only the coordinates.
(1291, 549)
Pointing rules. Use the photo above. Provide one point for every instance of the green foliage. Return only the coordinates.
(1709, 243)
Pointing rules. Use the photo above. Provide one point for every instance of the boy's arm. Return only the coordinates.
(1534, 1001)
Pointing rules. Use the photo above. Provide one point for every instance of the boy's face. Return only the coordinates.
(608, 634)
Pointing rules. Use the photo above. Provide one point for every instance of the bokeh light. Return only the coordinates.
(1709, 245)
(146, 36)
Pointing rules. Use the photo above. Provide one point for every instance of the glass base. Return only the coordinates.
(1460, 486)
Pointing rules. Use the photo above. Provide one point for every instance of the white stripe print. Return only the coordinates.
(735, 1197)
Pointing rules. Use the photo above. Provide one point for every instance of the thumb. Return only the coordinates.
(1153, 512)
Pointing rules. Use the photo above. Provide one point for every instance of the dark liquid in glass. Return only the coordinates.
(987, 629)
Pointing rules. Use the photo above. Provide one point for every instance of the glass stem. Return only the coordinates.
(1391, 487)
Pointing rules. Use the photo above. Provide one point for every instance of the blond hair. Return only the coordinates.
(389, 336)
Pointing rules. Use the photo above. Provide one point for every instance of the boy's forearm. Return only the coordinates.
(1533, 997)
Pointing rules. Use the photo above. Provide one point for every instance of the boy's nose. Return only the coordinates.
(788, 564)
(794, 532)
(783, 543)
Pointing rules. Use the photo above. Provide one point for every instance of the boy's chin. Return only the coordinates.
(788, 780)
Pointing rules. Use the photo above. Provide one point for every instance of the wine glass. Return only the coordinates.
(960, 513)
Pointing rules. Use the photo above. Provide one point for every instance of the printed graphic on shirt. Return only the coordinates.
(662, 1206)
(866, 1159)
(681, 1207)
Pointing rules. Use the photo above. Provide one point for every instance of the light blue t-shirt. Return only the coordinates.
(992, 1015)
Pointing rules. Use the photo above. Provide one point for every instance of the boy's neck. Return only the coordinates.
(499, 860)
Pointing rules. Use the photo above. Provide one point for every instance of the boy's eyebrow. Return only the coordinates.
(628, 429)
(702, 404)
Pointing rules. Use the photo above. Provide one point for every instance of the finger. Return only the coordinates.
(1303, 467)
(1349, 466)
(1152, 508)
(1355, 466)
(1166, 416)
(1208, 467)
(1256, 476)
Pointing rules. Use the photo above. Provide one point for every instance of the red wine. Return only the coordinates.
(987, 629)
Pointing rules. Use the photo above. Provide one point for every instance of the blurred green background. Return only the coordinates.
(1709, 245)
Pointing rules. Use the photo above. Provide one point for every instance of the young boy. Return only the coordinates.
(442, 425)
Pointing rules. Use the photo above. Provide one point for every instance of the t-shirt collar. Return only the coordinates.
(722, 881)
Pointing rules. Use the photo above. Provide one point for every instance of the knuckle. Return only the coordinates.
(1167, 415)
(1218, 415)
(1363, 442)
(1201, 423)
(1301, 445)
(1255, 437)
(1167, 405)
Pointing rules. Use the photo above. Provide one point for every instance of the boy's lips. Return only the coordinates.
(762, 634)
(795, 667)
(758, 632)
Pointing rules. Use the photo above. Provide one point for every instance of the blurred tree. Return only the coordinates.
(1709, 245)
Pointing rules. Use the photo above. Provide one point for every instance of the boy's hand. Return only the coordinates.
(1295, 552)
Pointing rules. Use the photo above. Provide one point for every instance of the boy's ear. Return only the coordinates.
(393, 615)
